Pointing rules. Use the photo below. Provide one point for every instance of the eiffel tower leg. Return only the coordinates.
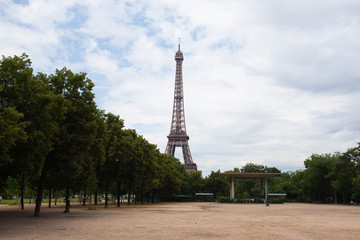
(188, 162)
(170, 148)
(186, 154)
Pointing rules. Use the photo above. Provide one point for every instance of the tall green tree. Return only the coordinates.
(214, 183)
(287, 183)
(132, 165)
(113, 169)
(30, 95)
(171, 176)
(353, 155)
(148, 168)
(196, 182)
(249, 187)
(315, 181)
(98, 151)
(341, 176)
(72, 153)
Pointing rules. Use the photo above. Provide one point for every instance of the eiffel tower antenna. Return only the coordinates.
(178, 136)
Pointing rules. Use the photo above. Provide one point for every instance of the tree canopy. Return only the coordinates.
(53, 136)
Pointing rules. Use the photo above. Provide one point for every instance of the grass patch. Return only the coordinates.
(27, 201)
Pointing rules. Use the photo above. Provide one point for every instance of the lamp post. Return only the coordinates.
(266, 187)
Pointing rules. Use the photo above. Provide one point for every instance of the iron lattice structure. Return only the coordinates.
(178, 136)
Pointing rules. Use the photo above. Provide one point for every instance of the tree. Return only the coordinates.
(249, 187)
(341, 175)
(114, 154)
(252, 167)
(147, 170)
(72, 153)
(196, 182)
(353, 155)
(29, 95)
(11, 131)
(132, 155)
(287, 183)
(171, 176)
(216, 184)
(98, 150)
(315, 181)
(15, 73)
(49, 114)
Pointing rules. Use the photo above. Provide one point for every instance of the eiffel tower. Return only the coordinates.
(178, 136)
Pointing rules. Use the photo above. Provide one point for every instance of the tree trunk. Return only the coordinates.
(80, 196)
(22, 186)
(67, 197)
(96, 198)
(106, 182)
(84, 198)
(40, 192)
(129, 198)
(118, 194)
(49, 198)
(106, 198)
(335, 197)
(153, 198)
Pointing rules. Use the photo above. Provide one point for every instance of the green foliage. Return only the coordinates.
(223, 199)
(249, 186)
(353, 154)
(287, 183)
(252, 167)
(35, 112)
(273, 200)
(216, 184)
(196, 182)
(11, 131)
(170, 177)
(331, 177)
(315, 182)
(78, 130)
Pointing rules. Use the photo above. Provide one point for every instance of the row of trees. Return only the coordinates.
(332, 177)
(53, 136)
(327, 178)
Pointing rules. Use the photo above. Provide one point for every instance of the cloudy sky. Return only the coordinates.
(267, 82)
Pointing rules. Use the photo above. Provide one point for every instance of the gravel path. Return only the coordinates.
(184, 221)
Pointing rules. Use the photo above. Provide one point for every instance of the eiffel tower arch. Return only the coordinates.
(178, 136)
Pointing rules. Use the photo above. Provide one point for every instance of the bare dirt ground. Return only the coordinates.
(184, 221)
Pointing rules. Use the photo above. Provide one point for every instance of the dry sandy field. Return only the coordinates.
(184, 221)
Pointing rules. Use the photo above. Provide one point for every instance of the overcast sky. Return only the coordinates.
(267, 82)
